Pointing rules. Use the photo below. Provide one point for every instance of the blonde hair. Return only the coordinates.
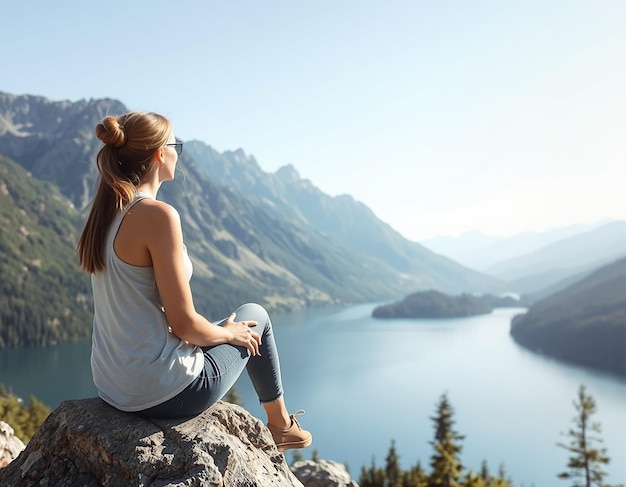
(130, 142)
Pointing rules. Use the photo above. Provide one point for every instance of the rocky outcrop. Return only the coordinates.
(10, 445)
(322, 473)
(88, 443)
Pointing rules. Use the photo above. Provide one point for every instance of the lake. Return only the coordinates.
(364, 382)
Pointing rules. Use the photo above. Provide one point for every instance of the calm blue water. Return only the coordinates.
(364, 382)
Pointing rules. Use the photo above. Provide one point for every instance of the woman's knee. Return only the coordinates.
(252, 312)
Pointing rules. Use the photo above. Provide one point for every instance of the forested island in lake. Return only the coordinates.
(435, 304)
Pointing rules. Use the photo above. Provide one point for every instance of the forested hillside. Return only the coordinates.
(585, 323)
(44, 297)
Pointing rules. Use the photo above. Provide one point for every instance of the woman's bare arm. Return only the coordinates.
(162, 233)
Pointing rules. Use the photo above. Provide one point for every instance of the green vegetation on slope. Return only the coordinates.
(585, 323)
(434, 304)
(44, 297)
(25, 419)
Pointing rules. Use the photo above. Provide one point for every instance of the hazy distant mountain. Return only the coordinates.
(572, 257)
(602, 243)
(479, 251)
(584, 323)
(244, 247)
(540, 263)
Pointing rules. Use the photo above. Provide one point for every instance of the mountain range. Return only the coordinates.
(558, 264)
(339, 218)
(479, 251)
(538, 264)
(276, 239)
(252, 236)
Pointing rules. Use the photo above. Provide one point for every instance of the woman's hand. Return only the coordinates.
(242, 334)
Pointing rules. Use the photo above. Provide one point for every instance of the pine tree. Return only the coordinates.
(445, 461)
(502, 479)
(484, 472)
(392, 467)
(584, 466)
(473, 480)
(296, 456)
(415, 477)
(315, 456)
(372, 477)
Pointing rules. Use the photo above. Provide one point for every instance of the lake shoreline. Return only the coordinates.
(355, 369)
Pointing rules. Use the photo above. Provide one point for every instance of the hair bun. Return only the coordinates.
(111, 132)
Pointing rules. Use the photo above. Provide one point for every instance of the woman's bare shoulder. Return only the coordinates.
(155, 210)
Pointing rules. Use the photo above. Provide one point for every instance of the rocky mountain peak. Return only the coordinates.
(288, 174)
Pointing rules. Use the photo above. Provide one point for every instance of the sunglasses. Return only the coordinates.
(178, 146)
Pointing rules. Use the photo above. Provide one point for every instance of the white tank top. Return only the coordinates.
(136, 361)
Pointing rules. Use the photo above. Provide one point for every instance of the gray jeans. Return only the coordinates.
(223, 364)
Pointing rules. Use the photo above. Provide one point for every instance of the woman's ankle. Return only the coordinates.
(280, 422)
(277, 414)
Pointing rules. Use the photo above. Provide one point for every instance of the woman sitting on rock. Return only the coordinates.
(152, 353)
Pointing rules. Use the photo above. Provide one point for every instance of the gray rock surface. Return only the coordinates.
(322, 473)
(10, 445)
(88, 443)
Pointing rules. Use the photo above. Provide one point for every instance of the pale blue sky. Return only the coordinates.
(441, 116)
